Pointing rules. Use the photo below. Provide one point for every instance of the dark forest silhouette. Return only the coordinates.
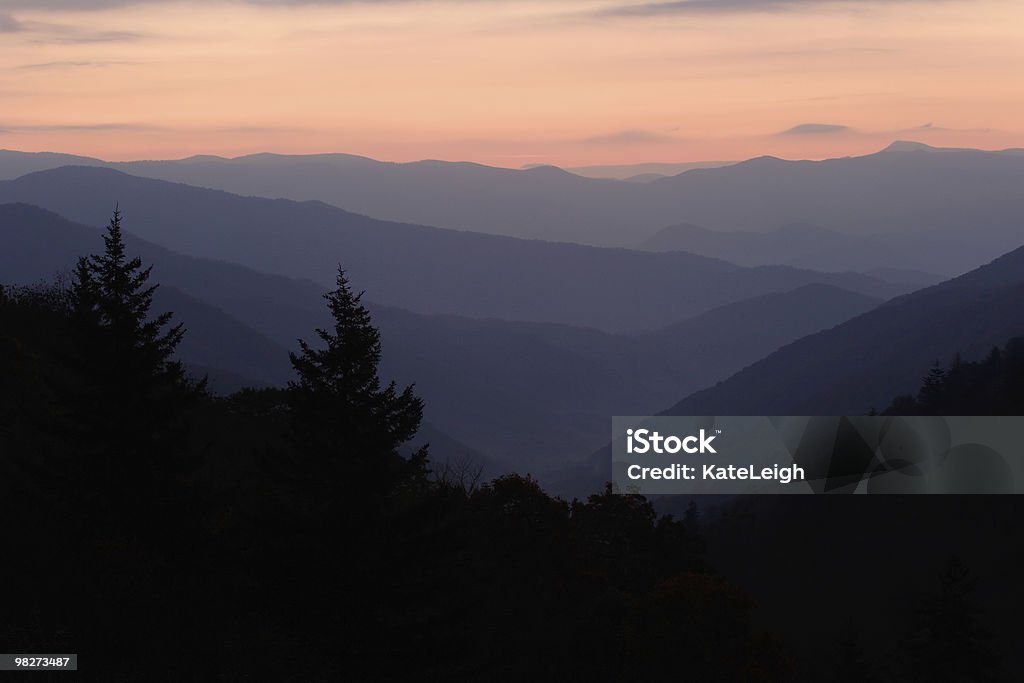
(283, 534)
(991, 386)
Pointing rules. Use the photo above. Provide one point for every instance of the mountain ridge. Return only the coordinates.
(533, 394)
(865, 362)
(420, 268)
(895, 191)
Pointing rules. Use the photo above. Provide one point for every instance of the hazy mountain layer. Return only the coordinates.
(811, 246)
(963, 205)
(532, 394)
(422, 269)
(870, 359)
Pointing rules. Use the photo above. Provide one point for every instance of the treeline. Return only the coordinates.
(282, 534)
(992, 386)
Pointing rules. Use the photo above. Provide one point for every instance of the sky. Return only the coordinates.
(509, 82)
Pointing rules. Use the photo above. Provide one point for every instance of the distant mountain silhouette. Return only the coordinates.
(251, 358)
(966, 202)
(423, 269)
(37, 245)
(781, 245)
(41, 243)
(811, 246)
(524, 203)
(643, 172)
(726, 339)
(534, 380)
(527, 394)
(14, 164)
(866, 361)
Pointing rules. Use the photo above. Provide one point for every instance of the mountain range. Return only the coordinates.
(522, 348)
(811, 246)
(962, 203)
(419, 268)
(868, 360)
(526, 394)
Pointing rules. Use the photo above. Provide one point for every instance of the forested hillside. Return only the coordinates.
(143, 511)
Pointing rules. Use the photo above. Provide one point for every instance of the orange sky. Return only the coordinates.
(509, 82)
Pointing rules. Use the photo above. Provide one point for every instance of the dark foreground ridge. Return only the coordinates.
(287, 534)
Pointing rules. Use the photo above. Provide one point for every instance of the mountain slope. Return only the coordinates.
(546, 391)
(533, 395)
(528, 203)
(970, 198)
(898, 190)
(746, 247)
(866, 361)
(38, 245)
(811, 246)
(708, 347)
(423, 269)
(251, 357)
(14, 164)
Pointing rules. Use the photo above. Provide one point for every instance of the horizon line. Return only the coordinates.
(525, 167)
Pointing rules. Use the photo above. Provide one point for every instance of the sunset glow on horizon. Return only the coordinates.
(566, 82)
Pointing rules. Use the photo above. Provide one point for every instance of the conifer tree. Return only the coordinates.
(338, 403)
(112, 289)
(136, 390)
(346, 467)
(933, 388)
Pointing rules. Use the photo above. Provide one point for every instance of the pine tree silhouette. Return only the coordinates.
(355, 486)
(932, 389)
(111, 289)
(337, 401)
(137, 392)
